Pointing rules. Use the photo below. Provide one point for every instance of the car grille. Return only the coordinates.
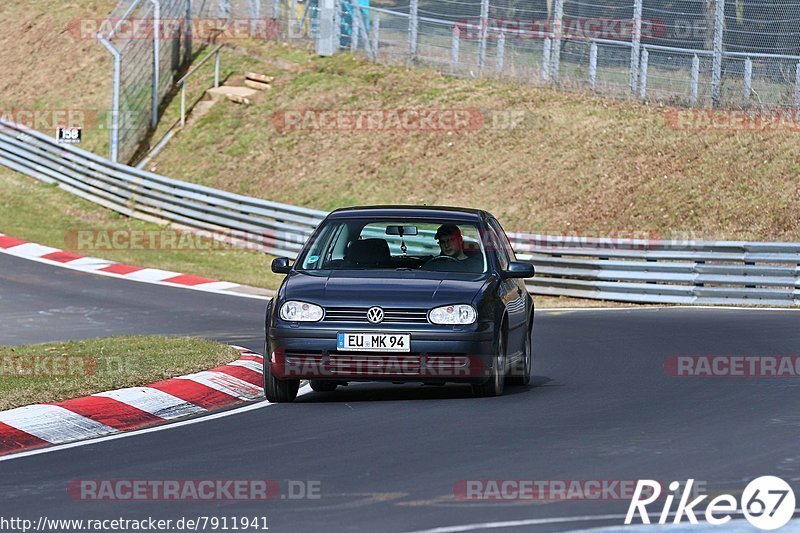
(391, 315)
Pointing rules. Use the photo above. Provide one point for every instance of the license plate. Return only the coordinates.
(374, 342)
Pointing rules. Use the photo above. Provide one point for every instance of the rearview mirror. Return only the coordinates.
(519, 269)
(401, 230)
(280, 265)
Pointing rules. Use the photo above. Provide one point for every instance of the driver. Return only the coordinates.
(451, 242)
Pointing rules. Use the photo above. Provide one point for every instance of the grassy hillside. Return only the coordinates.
(45, 67)
(576, 163)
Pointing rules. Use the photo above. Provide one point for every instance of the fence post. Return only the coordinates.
(354, 27)
(276, 10)
(337, 24)
(716, 72)
(695, 79)
(797, 86)
(748, 79)
(555, 52)
(548, 44)
(483, 34)
(413, 29)
(636, 41)
(501, 53)
(216, 70)
(189, 35)
(292, 18)
(643, 74)
(593, 65)
(156, 62)
(113, 141)
(326, 40)
(455, 44)
(376, 31)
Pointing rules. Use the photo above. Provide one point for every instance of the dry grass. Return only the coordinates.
(45, 66)
(578, 163)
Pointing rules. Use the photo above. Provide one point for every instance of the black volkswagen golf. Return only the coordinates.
(397, 293)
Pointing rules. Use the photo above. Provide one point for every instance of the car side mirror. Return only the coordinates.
(280, 265)
(519, 269)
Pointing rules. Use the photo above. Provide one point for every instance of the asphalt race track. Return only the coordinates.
(387, 458)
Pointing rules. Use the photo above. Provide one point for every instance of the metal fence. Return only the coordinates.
(720, 53)
(151, 42)
(634, 270)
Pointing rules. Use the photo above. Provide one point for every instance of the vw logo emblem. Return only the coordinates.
(375, 315)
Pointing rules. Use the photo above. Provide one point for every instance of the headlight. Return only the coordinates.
(301, 312)
(453, 314)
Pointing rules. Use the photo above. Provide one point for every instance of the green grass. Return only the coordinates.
(45, 214)
(58, 371)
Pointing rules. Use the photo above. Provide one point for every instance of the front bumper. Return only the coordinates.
(437, 354)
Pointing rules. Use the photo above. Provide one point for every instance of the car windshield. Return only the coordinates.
(424, 245)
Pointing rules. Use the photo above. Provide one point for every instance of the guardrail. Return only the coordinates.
(634, 270)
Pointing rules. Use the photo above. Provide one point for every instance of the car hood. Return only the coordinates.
(388, 289)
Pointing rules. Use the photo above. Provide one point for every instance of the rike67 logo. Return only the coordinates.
(767, 503)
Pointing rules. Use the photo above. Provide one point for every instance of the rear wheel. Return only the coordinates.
(494, 385)
(521, 373)
(320, 385)
(276, 390)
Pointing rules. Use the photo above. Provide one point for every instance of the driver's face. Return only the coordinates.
(450, 245)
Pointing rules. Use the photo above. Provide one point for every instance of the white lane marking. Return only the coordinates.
(30, 249)
(656, 307)
(156, 402)
(53, 423)
(252, 365)
(734, 526)
(165, 427)
(562, 520)
(215, 286)
(70, 266)
(226, 384)
(151, 274)
(90, 263)
(518, 523)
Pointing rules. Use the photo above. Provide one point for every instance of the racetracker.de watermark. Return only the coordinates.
(50, 119)
(193, 489)
(574, 28)
(169, 29)
(58, 365)
(53, 366)
(402, 120)
(733, 366)
(732, 120)
(90, 240)
(543, 489)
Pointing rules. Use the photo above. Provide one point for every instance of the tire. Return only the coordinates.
(494, 385)
(320, 385)
(522, 376)
(276, 390)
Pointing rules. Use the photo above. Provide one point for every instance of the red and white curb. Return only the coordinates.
(108, 413)
(54, 256)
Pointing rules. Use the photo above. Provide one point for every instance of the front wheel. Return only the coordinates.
(521, 374)
(494, 385)
(276, 390)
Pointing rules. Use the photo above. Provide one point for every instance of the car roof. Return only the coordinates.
(402, 211)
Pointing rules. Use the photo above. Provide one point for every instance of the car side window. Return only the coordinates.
(502, 255)
(503, 239)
